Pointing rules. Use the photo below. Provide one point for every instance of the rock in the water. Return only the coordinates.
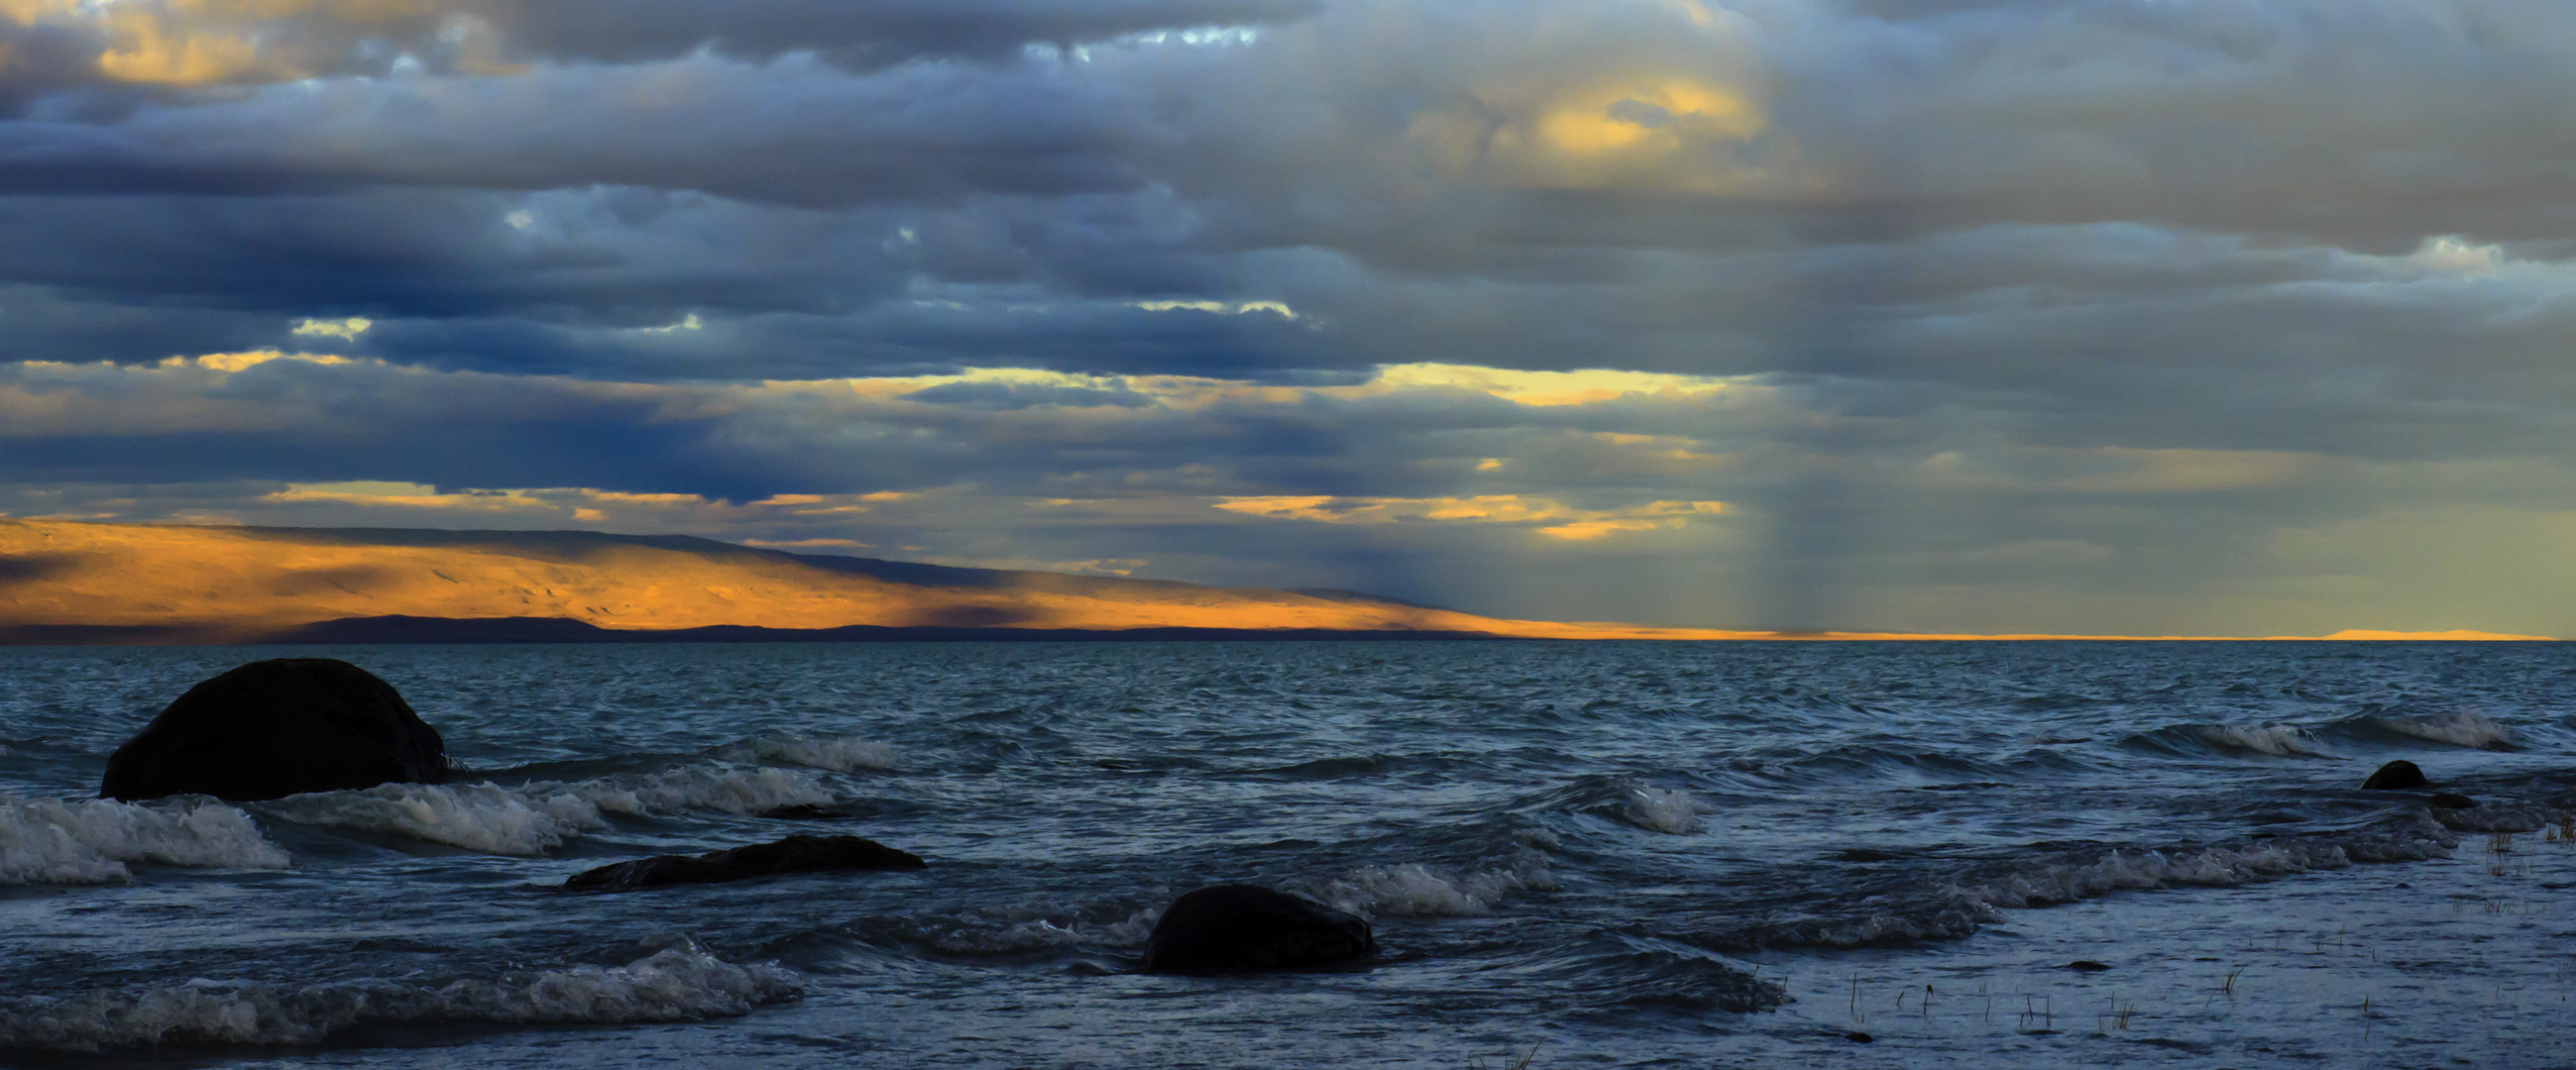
(2395, 776)
(795, 854)
(2087, 966)
(2448, 801)
(271, 729)
(1247, 927)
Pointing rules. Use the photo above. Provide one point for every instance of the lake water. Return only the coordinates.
(1720, 854)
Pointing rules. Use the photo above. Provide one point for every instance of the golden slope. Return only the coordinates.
(227, 583)
(242, 582)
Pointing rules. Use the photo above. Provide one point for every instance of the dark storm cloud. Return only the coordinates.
(54, 45)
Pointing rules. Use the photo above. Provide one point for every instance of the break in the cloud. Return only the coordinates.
(2139, 315)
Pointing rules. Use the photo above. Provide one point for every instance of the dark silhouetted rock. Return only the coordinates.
(2087, 966)
(1246, 927)
(2395, 776)
(271, 729)
(2449, 801)
(795, 854)
(1858, 1037)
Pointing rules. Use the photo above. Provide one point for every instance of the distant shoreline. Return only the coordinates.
(400, 630)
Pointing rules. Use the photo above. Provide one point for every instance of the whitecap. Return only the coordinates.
(89, 841)
(2067, 880)
(1414, 889)
(538, 817)
(841, 754)
(674, 985)
(2461, 729)
(1662, 810)
(2279, 741)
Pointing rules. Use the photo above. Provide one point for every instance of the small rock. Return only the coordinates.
(2448, 801)
(1248, 927)
(795, 854)
(1858, 1037)
(2087, 966)
(2396, 776)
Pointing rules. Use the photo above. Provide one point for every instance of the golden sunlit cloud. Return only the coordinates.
(233, 362)
(1546, 388)
(1562, 522)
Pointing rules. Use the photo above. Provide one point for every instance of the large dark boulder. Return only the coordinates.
(1247, 927)
(2398, 775)
(795, 854)
(271, 729)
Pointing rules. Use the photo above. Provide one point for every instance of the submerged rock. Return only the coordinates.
(2395, 776)
(271, 729)
(795, 854)
(1248, 927)
(2449, 801)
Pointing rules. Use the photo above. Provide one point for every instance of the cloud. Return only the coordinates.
(2011, 311)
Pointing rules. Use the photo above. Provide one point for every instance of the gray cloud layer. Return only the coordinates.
(2069, 314)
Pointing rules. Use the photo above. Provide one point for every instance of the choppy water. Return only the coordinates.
(1610, 854)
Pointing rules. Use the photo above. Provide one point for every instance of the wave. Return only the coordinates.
(2068, 880)
(1662, 810)
(538, 817)
(2227, 740)
(1413, 889)
(1024, 931)
(1956, 906)
(2509, 817)
(2460, 729)
(840, 754)
(675, 985)
(89, 841)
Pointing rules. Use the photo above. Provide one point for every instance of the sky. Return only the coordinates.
(2218, 317)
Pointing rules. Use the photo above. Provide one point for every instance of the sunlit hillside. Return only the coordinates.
(231, 583)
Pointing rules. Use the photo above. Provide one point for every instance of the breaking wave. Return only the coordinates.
(1416, 890)
(538, 817)
(1961, 903)
(1662, 810)
(675, 985)
(841, 754)
(2462, 729)
(2277, 741)
(89, 841)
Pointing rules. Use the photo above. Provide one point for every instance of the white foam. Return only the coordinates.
(478, 817)
(89, 841)
(1662, 810)
(675, 985)
(2462, 729)
(842, 754)
(2280, 741)
(1413, 889)
(539, 817)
